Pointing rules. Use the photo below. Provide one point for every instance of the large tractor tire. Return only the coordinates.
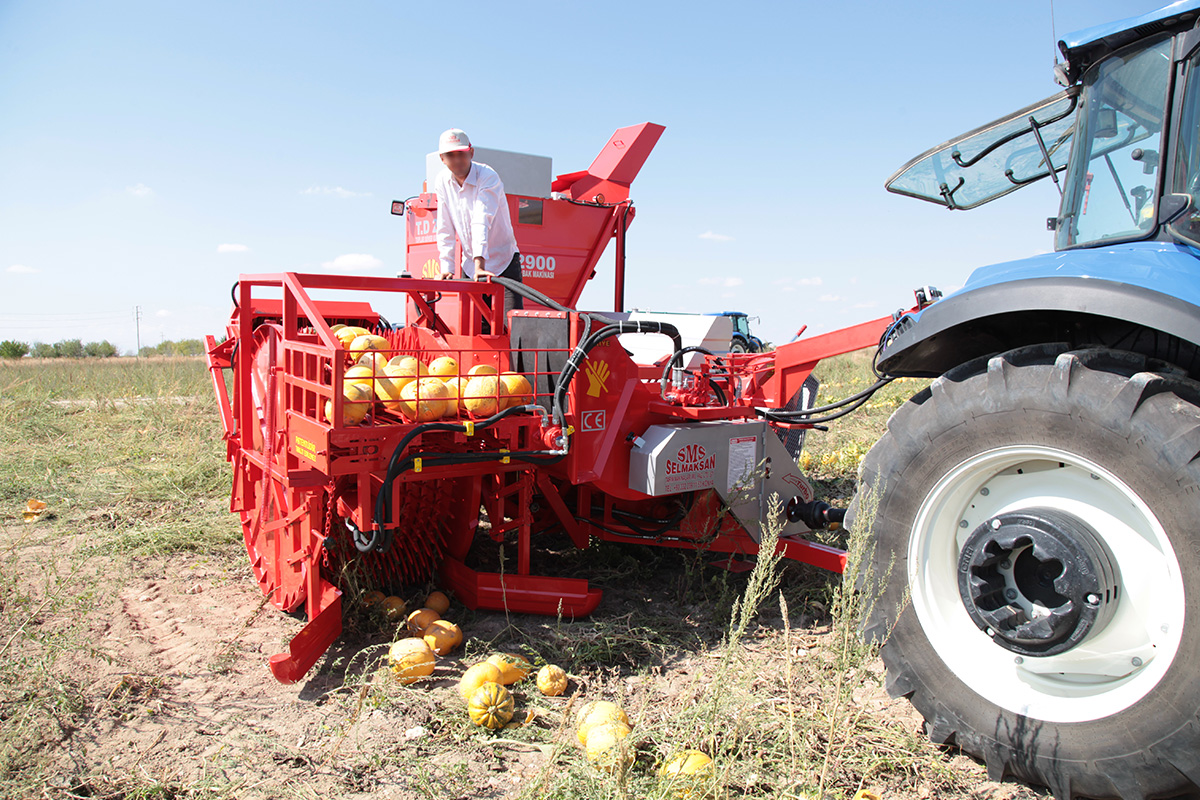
(1037, 517)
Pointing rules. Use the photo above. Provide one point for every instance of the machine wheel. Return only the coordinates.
(738, 346)
(269, 503)
(1034, 515)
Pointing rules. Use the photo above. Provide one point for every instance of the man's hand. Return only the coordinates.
(443, 276)
(480, 274)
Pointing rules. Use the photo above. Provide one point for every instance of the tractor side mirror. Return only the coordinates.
(398, 208)
(1106, 123)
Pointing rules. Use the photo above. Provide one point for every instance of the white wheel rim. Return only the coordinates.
(1111, 669)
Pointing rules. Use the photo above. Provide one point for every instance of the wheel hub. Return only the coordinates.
(1038, 581)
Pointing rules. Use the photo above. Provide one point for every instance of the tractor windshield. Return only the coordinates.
(1112, 181)
(993, 160)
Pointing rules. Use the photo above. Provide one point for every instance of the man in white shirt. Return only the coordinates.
(472, 206)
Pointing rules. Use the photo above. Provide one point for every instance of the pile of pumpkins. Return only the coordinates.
(417, 391)
(600, 725)
(415, 656)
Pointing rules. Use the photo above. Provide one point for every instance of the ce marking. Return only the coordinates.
(594, 420)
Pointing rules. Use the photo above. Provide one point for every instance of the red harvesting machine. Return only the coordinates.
(691, 449)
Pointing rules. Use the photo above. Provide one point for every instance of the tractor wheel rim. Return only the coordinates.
(1107, 667)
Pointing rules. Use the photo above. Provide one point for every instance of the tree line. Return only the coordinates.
(77, 348)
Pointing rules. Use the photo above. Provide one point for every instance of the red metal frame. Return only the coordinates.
(303, 480)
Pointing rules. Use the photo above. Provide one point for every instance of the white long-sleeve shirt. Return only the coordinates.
(477, 213)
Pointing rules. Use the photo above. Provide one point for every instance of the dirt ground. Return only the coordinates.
(173, 697)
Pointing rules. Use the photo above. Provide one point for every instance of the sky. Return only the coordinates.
(151, 152)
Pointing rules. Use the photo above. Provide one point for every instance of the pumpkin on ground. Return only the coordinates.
(419, 620)
(442, 636)
(491, 706)
(606, 746)
(394, 608)
(438, 602)
(689, 762)
(411, 659)
(373, 598)
(551, 680)
(598, 712)
(476, 676)
(513, 667)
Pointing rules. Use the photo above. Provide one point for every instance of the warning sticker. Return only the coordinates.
(690, 469)
(306, 449)
(742, 452)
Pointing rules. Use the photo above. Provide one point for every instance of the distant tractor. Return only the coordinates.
(1037, 508)
(742, 341)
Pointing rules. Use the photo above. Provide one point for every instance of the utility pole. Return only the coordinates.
(137, 326)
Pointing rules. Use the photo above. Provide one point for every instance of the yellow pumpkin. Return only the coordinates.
(373, 598)
(438, 602)
(551, 680)
(442, 636)
(689, 762)
(513, 667)
(419, 620)
(394, 608)
(476, 676)
(362, 344)
(444, 367)
(491, 706)
(411, 659)
(598, 712)
(515, 390)
(357, 401)
(606, 746)
(481, 395)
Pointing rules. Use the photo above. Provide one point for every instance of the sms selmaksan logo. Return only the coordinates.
(691, 458)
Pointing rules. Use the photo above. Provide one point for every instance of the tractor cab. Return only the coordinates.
(1106, 140)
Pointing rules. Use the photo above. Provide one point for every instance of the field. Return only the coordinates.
(133, 639)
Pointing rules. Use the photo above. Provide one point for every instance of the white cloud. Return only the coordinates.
(728, 283)
(350, 262)
(232, 248)
(716, 237)
(140, 190)
(336, 191)
(829, 298)
(797, 282)
(21, 269)
(872, 304)
(162, 312)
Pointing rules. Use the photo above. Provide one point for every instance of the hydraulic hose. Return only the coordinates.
(665, 381)
(383, 502)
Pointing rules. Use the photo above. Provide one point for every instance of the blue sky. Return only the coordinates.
(151, 152)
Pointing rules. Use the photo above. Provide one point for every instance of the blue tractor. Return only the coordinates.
(1036, 510)
(741, 341)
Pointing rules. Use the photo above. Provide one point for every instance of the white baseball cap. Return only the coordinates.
(452, 141)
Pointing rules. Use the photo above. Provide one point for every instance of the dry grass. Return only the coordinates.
(763, 671)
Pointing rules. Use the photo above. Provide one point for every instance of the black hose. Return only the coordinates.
(383, 501)
(858, 398)
(584, 347)
(671, 363)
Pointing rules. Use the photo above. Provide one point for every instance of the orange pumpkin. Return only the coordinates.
(513, 667)
(442, 636)
(411, 659)
(551, 680)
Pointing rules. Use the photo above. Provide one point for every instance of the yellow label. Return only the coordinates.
(416, 465)
(306, 449)
(431, 268)
(505, 459)
(597, 374)
(470, 427)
